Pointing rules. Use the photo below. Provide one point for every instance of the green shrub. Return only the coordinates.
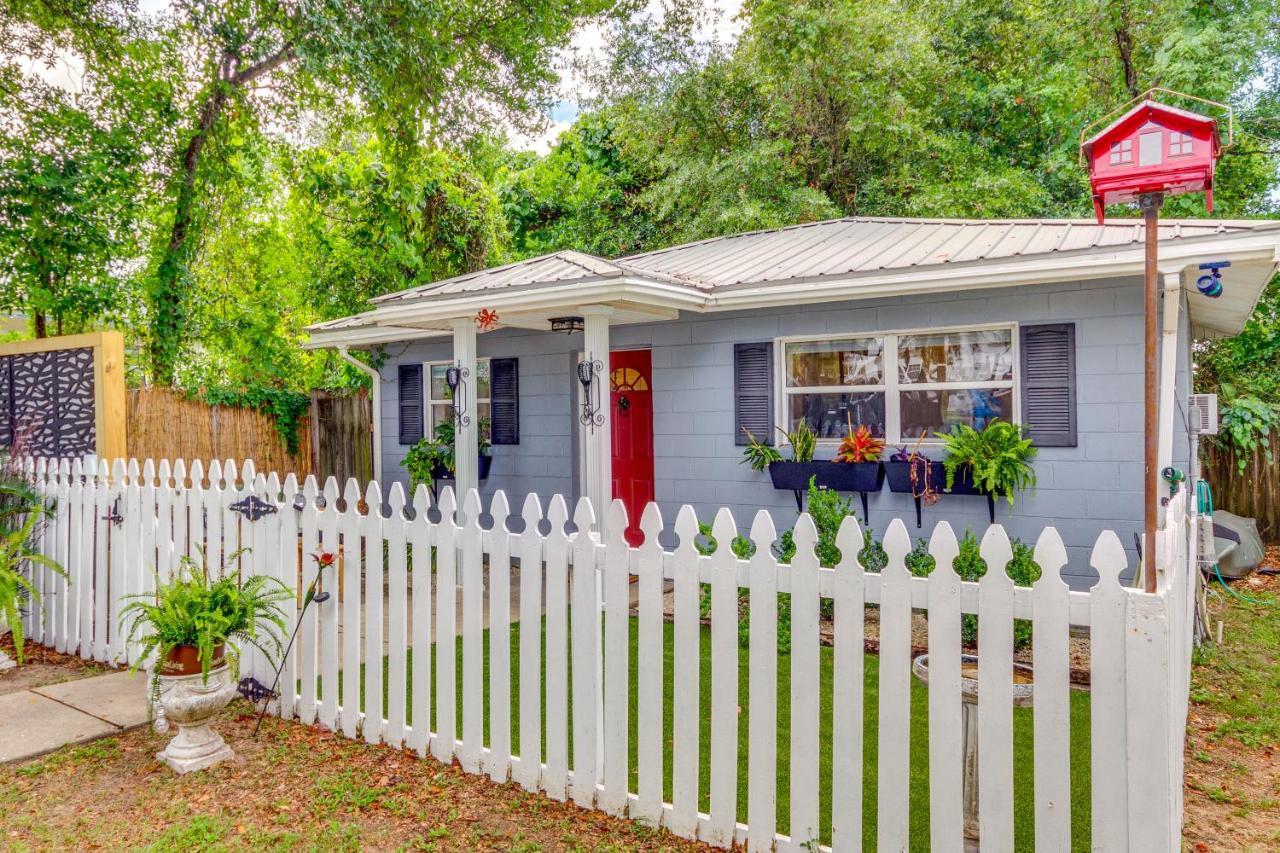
(969, 565)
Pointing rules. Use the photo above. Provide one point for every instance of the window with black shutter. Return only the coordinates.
(410, 384)
(753, 391)
(1048, 356)
(504, 401)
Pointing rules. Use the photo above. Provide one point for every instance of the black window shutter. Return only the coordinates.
(1048, 361)
(753, 391)
(504, 400)
(410, 381)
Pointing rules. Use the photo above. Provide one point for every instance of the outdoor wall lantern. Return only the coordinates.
(589, 375)
(568, 325)
(456, 378)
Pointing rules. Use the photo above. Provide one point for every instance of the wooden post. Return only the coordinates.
(1150, 204)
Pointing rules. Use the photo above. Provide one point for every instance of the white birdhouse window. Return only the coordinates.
(1179, 144)
(1122, 152)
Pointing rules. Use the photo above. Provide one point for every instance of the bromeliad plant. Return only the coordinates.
(998, 458)
(860, 446)
(195, 609)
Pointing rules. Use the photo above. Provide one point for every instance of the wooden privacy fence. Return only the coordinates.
(596, 694)
(334, 438)
(1254, 492)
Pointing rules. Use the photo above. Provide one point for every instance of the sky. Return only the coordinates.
(588, 41)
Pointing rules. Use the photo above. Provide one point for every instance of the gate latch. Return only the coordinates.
(253, 507)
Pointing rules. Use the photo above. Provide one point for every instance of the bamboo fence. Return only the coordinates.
(166, 425)
(1255, 492)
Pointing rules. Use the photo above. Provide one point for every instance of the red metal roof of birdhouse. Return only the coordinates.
(1152, 148)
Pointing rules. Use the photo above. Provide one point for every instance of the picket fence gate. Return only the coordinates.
(118, 529)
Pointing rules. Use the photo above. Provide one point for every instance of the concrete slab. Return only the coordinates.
(119, 697)
(32, 725)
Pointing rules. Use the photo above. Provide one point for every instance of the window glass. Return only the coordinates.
(1179, 144)
(829, 415)
(439, 393)
(858, 361)
(985, 356)
(928, 412)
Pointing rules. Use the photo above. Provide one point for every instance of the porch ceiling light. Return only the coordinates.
(568, 325)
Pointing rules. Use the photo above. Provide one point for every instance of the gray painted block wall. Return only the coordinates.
(1080, 491)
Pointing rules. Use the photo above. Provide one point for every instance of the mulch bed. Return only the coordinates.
(43, 666)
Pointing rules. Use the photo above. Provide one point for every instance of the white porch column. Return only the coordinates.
(1169, 367)
(466, 448)
(597, 437)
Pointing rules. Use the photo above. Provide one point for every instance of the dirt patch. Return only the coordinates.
(296, 787)
(1232, 784)
(44, 666)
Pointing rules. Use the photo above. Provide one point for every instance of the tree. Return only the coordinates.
(418, 67)
(68, 207)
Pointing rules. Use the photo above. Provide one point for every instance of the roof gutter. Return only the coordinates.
(375, 396)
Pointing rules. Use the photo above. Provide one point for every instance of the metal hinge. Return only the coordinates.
(253, 507)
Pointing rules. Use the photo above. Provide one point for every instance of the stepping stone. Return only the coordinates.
(119, 698)
(32, 725)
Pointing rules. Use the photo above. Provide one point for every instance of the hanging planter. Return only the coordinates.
(441, 471)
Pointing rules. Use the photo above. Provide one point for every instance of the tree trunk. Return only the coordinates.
(40, 323)
(169, 291)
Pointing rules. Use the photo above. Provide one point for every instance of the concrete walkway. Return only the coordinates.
(42, 719)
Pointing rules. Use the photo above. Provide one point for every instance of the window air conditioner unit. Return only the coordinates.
(1202, 414)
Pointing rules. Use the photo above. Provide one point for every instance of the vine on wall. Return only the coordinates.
(285, 408)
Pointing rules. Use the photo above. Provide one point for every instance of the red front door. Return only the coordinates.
(631, 414)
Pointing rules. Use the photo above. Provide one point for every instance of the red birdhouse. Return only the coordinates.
(1152, 148)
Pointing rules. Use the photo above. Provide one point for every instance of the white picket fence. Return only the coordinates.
(112, 528)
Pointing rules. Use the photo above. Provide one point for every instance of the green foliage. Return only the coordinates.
(1245, 425)
(997, 457)
(1247, 364)
(286, 408)
(802, 440)
(195, 609)
(757, 454)
(22, 511)
(429, 453)
(969, 565)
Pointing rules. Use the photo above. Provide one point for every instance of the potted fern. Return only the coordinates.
(22, 510)
(192, 629)
(432, 459)
(994, 461)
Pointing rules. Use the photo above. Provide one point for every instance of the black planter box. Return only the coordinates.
(963, 484)
(853, 477)
(440, 472)
(899, 476)
(795, 476)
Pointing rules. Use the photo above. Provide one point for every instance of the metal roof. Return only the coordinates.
(850, 247)
(839, 258)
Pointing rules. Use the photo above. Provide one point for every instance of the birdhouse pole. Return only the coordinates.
(1151, 151)
(1150, 203)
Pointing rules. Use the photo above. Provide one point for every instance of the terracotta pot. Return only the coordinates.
(185, 660)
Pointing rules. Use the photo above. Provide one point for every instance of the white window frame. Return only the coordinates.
(1177, 140)
(430, 404)
(891, 387)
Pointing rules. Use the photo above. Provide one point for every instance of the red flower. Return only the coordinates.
(324, 559)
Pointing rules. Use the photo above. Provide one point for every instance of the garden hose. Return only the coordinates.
(1204, 506)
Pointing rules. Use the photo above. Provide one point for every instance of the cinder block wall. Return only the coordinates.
(1081, 490)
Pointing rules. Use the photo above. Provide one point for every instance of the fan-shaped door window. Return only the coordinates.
(627, 379)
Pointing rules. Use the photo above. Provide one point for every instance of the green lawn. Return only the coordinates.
(919, 807)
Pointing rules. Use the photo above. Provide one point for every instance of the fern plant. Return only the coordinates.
(998, 457)
(195, 609)
(22, 510)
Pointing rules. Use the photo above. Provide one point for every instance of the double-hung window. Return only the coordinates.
(903, 385)
(440, 399)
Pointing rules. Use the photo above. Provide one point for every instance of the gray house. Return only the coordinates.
(633, 378)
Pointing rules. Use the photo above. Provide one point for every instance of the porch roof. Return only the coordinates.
(837, 259)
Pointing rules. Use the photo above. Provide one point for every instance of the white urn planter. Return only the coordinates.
(1023, 694)
(191, 702)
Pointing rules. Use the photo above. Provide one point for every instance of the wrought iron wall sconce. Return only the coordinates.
(456, 378)
(589, 376)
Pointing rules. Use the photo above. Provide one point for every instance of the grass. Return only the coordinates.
(1233, 745)
(919, 804)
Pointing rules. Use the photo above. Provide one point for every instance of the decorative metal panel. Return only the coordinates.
(47, 402)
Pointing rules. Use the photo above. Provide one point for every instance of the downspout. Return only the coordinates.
(375, 395)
